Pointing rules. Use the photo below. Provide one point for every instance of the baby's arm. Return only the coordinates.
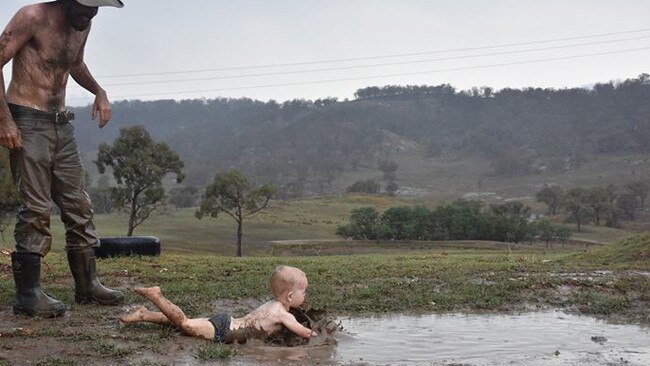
(292, 324)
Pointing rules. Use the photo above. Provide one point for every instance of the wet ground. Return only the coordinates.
(543, 338)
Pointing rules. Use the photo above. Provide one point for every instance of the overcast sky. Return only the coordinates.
(228, 48)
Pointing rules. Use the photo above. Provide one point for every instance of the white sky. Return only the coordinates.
(164, 36)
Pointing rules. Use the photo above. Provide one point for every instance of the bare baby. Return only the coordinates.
(288, 285)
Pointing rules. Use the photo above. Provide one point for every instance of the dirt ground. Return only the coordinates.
(93, 335)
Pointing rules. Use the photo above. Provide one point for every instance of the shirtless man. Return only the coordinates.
(288, 285)
(46, 43)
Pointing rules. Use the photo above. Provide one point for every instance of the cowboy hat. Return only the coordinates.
(115, 3)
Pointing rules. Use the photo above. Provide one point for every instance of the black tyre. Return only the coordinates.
(120, 246)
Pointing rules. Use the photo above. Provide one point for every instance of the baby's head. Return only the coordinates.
(289, 285)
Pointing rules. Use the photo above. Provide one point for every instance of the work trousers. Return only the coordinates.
(48, 168)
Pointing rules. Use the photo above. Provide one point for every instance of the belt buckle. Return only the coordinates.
(63, 117)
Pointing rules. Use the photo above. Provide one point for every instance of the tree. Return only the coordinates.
(101, 196)
(389, 168)
(362, 226)
(601, 203)
(549, 231)
(139, 165)
(364, 186)
(391, 189)
(231, 193)
(399, 221)
(9, 199)
(551, 195)
(183, 197)
(628, 203)
(639, 189)
(576, 202)
(511, 221)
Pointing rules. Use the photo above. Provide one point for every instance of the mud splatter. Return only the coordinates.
(315, 319)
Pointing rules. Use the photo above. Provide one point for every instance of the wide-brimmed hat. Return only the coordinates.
(115, 3)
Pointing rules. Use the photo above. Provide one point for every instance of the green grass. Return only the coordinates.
(110, 350)
(212, 351)
(437, 279)
(631, 252)
(604, 304)
(316, 219)
(470, 277)
(180, 231)
(55, 361)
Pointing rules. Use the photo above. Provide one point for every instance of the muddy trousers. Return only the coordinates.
(48, 168)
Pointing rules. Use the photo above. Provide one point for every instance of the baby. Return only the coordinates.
(288, 285)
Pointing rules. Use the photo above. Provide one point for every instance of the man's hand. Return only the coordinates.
(10, 135)
(102, 106)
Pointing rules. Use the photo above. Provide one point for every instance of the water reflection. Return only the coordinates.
(546, 338)
(538, 339)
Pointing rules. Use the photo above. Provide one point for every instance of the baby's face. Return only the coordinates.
(299, 292)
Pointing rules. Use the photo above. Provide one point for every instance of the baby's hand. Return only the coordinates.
(313, 334)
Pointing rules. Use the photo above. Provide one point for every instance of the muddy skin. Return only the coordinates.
(315, 319)
(4, 39)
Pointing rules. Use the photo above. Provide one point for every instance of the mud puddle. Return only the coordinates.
(543, 338)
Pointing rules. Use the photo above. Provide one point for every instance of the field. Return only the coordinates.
(197, 271)
(610, 282)
(180, 231)
(307, 219)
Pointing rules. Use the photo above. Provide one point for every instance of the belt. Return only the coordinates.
(20, 112)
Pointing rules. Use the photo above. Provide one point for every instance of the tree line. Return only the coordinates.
(606, 205)
(459, 220)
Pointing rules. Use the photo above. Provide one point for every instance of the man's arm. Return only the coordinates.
(19, 30)
(83, 77)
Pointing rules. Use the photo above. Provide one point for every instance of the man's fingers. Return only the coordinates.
(18, 141)
(11, 140)
(94, 113)
(104, 117)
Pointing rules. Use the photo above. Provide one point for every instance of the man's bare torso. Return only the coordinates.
(42, 66)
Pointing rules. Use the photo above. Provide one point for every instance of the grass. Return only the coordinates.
(55, 361)
(314, 219)
(212, 351)
(180, 231)
(434, 279)
(631, 252)
(469, 277)
(198, 272)
(110, 350)
(447, 178)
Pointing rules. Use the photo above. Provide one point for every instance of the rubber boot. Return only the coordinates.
(88, 289)
(30, 299)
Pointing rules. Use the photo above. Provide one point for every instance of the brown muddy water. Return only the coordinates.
(539, 338)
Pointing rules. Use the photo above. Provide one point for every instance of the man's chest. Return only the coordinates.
(56, 52)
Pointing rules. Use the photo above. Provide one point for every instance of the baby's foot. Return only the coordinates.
(135, 316)
(148, 291)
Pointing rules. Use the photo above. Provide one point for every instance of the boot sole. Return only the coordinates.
(44, 314)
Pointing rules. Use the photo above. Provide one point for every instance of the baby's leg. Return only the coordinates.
(193, 327)
(142, 314)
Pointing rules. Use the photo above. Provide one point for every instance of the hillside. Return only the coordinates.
(446, 142)
(633, 251)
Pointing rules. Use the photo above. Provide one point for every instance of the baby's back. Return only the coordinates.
(266, 319)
